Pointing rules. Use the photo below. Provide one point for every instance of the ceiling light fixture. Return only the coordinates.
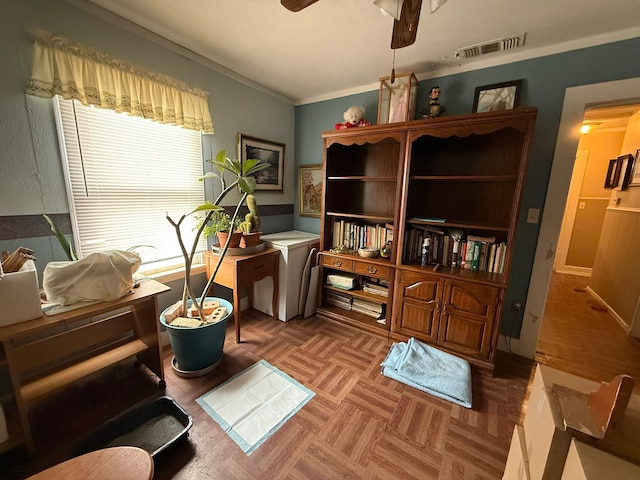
(390, 7)
(393, 8)
(436, 4)
(588, 126)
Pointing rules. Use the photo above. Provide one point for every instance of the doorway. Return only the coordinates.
(577, 101)
(588, 199)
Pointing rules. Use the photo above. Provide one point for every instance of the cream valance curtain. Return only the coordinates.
(75, 71)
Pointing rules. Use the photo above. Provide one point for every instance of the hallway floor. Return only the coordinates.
(577, 338)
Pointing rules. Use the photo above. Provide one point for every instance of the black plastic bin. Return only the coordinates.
(153, 426)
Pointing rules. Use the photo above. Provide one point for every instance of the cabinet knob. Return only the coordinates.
(337, 262)
(371, 269)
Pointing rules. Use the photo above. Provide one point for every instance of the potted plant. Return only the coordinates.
(198, 341)
(220, 224)
(251, 226)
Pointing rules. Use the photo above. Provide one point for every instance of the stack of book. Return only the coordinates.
(473, 253)
(356, 235)
(371, 309)
(339, 300)
(484, 254)
(345, 281)
(375, 289)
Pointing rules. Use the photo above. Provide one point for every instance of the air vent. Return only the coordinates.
(498, 45)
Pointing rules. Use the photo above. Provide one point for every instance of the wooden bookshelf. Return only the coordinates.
(461, 173)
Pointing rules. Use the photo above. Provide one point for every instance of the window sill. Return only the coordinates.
(174, 274)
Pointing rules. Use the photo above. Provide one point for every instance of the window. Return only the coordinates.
(124, 174)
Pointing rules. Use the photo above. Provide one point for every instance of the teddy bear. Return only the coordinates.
(353, 117)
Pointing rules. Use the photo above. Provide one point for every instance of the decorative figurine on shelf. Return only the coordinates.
(385, 251)
(434, 109)
(353, 117)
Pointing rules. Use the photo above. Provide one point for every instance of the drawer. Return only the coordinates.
(371, 269)
(249, 272)
(337, 262)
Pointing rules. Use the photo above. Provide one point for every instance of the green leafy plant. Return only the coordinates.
(241, 174)
(64, 243)
(220, 221)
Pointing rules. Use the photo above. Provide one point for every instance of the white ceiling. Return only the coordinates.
(339, 47)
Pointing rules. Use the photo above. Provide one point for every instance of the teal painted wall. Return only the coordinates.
(31, 176)
(544, 82)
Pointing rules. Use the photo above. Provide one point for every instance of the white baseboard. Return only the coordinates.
(580, 271)
(613, 313)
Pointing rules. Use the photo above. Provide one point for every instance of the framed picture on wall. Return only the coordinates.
(499, 96)
(613, 174)
(268, 152)
(634, 181)
(310, 190)
(626, 169)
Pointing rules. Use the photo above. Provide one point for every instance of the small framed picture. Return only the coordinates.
(268, 152)
(626, 168)
(310, 190)
(613, 174)
(499, 96)
(634, 181)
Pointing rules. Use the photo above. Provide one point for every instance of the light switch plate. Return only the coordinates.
(533, 215)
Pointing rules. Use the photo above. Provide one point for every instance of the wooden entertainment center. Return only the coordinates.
(438, 177)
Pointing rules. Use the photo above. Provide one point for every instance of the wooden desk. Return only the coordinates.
(123, 463)
(238, 271)
(51, 352)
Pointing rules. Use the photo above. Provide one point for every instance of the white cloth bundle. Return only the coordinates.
(100, 276)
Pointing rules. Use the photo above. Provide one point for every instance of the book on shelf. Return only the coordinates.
(342, 280)
(463, 254)
(475, 256)
(468, 255)
(475, 238)
(375, 289)
(492, 257)
(339, 300)
(429, 219)
(371, 309)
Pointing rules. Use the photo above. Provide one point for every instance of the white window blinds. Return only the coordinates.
(124, 174)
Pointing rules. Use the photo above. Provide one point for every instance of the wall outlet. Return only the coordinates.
(533, 215)
(582, 205)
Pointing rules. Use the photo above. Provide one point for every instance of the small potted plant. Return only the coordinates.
(198, 341)
(221, 226)
(251, 226)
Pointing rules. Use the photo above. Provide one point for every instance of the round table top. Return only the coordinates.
(123, 463)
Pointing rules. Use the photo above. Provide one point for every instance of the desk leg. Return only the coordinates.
(274, 298)
(237, 312)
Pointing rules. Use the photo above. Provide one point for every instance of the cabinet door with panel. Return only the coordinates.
(468, 318)
(417, 305)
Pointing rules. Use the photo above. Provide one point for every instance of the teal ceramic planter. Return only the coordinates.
(196, 349)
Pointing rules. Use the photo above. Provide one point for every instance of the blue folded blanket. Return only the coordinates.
(431, 370)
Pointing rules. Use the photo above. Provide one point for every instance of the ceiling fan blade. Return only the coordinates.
(406, 29)
(296, 5)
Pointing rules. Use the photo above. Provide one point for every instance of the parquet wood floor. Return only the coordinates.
(360, 424)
